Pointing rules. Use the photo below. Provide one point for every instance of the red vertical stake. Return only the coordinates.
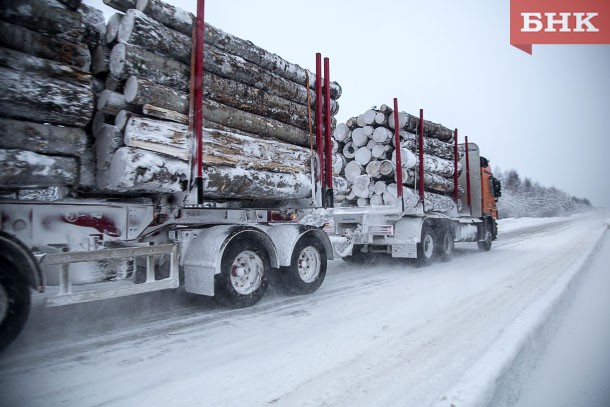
(198, 96)
(456, 159)
(319, 143)
(328, 135)
(421, 155)
(398, 156)
(468, 196)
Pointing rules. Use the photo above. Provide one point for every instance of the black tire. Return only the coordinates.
(307, 268)
(445, 245)
(426, 251)
(15, 299)
(243, 279)
(487, 237)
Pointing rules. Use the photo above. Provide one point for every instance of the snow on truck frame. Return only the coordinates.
(407, 229)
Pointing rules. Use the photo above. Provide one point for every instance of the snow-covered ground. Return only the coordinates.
(380, 334)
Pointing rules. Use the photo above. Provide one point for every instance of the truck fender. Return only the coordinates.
(17, 254)
(286, 236)
(202, 255)
(408, 229)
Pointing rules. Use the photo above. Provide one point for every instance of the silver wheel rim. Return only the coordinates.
(428, 244)
(309, 264)
(3, 303)
(247, 272)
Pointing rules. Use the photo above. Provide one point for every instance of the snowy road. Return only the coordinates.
(379, 334)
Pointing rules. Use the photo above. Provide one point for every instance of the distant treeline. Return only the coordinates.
(522, 197)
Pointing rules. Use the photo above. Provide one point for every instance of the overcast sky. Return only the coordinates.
(546, 115)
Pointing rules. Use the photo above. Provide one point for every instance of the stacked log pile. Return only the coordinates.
(46, 92)
(365, 154)
(257, 137)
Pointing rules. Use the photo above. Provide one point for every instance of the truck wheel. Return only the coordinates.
(242, 281)
(485, 244)
(446, 245)
(307, 268)
(426, 247)
(15, 300)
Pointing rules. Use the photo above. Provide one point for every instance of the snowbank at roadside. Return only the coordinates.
(494, 378)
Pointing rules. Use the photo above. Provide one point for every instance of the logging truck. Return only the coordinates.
(412, 226)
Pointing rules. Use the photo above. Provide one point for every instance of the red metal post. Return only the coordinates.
(468, 196)
(198, 96)
(456, 159)
(421, 155)
(398, 157)
(328, 136)
(319, 143)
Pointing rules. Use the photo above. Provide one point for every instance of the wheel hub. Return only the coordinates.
(308, 264)
(247, 272)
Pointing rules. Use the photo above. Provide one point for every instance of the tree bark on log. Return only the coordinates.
(44, 46)
(168, 15)
(113, 102)
(39, 98)
(432, 202)
(100, 59)
(431, 145)
(121, 5)
(432, 182)
(410, 123)
(48, 17)
(72, 4)
(19, 61)
(338, 164)
(94, 26)
(165, 114)
(128, 60)
(140, 91)
(107, 142)
(41, 138)
(19, 168)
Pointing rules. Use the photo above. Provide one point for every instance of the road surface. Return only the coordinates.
(380, 334)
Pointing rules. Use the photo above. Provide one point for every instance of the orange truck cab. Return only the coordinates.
(491, 190)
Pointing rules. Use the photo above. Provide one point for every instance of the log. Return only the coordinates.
(219, 147)
(87, 170)
(48, 17)
(359, 138)
(100, 60)
(376, 200)
(22, 62)
(352, 170)
(107, 142)
(127, 60)
(407, 158)
(381, 119)
(363, 156)
(113, 84)
(380, 151)
(431, 146)
(340, 186)
(41, 138)
(168, 15)
(120, 121)
(367, 118)
(363, 202)
(432, 202)
(44, 46)
(339, 163)
(138, 29)
(121, 5)
(113, 102)
(99, 120)
(40, 98)
(161, 113)
(432, 182)
(379, 188)
(341, 133)
(387, 168)
(254, 124)
(19, 168)
(141, 91)
(72, 4)
(94, 26)
(382, 135)
(133, 170)
(352, 123)
(410, 123)
(349, 151)
(372, 169)
(112, 28)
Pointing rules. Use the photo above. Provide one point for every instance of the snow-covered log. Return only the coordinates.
(341, 133)
(107, 142)
(113, 102)
(121, 5)
(165, 114)
(48, 17)
(42, 138)
(44, 46)
(19, 168)
(433, 202)
(93, 26)
(140, 91)
(40, 98)
(410, 123)
(112, 28)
